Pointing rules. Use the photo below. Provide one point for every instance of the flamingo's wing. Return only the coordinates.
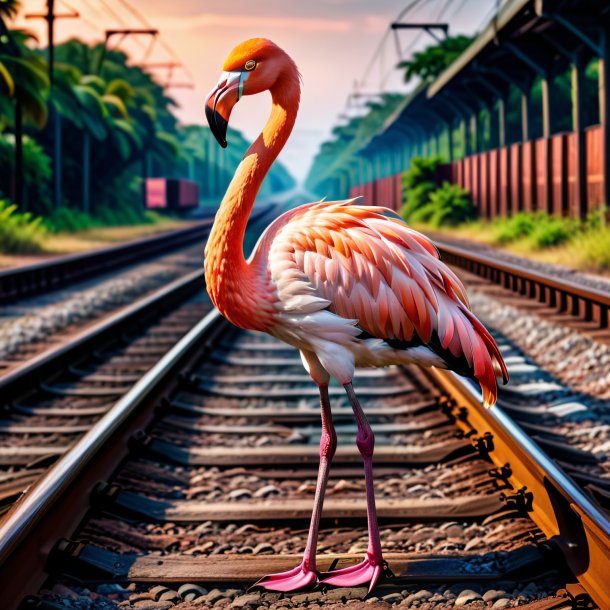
(364, 263)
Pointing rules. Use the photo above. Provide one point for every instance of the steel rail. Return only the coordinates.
(21, 525)
(27, 377)
(586, 303)
(37, 278)
(560, 509)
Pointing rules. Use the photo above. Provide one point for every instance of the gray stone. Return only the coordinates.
(393, 598)
(417, 596)
(249, 600)
(466, 596)
(157, 591)
(300, 599)
(214, 595)
(236, 494)
(266, 491)
(190, 591)
(335, 595)
(500, 604)
(149, 604)
(493, 594)
(170, 596)
(455, 531)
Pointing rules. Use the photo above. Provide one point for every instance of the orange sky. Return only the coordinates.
(332, 42)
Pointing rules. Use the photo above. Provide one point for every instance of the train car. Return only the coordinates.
(171, 195)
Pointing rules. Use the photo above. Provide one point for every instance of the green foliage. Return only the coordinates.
(19, 233)
(426, 202)
(430, 62)
(516, 227)
(70, 220)
(449, 205)
(551, 231)
(538, 228)
(119, 118)
(37, 171)
(592, 248)
(419, 183)
(422, 169)
(23, 79)
(417, 197)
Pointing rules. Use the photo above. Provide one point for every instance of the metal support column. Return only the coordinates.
(578, 125)
(604, 109)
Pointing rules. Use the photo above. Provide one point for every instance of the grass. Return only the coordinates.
(20, 233)
(579, 245)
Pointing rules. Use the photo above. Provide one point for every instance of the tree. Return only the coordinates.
(24, 87)
(430, 62)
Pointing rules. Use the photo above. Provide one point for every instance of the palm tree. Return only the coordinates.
(24, 85)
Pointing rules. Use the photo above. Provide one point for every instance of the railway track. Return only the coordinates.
(583, 307)
(199, 480)
(39, 278)
(52, 400)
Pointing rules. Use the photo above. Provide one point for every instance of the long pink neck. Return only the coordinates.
(230, 280)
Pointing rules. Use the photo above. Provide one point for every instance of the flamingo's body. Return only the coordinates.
(347, 285)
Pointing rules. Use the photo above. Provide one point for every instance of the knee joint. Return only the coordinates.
(366, 443)
(328, 444)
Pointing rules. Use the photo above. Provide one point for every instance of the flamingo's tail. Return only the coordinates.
(491, 364)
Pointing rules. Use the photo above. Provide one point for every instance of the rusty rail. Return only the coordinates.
(585, 303)
(578, 528)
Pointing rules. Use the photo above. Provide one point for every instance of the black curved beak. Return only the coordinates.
(220, 102)
(217, 124)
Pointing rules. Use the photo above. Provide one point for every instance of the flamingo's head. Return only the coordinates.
(253, 66)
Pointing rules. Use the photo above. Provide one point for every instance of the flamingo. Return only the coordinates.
(347, 285)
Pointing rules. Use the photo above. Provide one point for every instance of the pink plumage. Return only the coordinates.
(369, 267)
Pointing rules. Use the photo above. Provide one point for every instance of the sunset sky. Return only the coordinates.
(332, 42)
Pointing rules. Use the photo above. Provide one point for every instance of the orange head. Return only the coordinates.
(253, 66)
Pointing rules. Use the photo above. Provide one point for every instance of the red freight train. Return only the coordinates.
(171, 195)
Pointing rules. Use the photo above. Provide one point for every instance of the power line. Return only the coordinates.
(83, 19)
(378, 50)
(162, 42)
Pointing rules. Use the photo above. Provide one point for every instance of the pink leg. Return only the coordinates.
(306, 574)
(370, 569)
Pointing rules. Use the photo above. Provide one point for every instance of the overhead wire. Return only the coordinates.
(138, 15)
(86, 21)
(411, 46)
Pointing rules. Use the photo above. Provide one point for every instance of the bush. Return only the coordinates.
(550, 231)
(36, 172)
(538, 228)
(19, 233)
(449, 205)
(416, 198)
(511, 229)
(419, 182)
(69, 220)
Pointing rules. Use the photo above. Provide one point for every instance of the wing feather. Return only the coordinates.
(371, 267)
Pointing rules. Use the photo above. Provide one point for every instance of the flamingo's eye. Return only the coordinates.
(250, 65)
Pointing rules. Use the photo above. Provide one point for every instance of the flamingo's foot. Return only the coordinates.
(300, 577)
(368, 571)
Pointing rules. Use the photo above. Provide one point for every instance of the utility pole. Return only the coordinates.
(54, 117)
